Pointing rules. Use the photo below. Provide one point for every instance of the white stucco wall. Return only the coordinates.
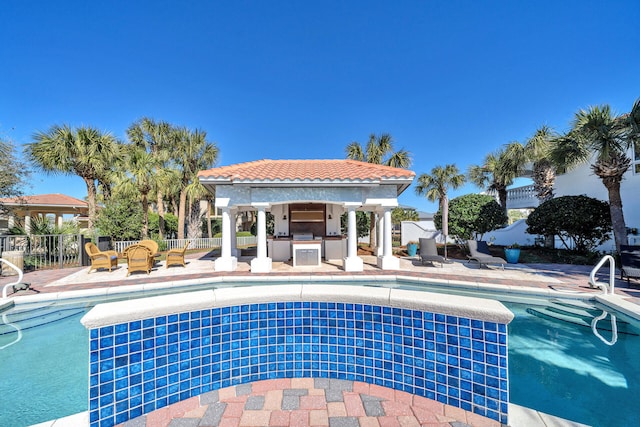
(582, 181)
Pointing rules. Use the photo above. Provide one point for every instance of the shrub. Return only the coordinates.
(472, 215)
(583, 219)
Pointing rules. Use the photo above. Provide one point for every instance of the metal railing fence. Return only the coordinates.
(43, 251)
(36, 252)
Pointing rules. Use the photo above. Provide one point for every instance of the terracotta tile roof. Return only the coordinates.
(46, 200)
(279, 171)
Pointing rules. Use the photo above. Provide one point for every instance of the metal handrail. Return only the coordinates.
(614, 328)
(612, 275)
(4, 290)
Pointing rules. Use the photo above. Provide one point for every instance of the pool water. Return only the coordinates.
(555, 367)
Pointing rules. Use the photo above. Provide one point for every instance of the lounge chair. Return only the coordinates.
(429, 252)
(176, 256)
(101, 259)
(629, 262)
(139, 258)
(480, 253)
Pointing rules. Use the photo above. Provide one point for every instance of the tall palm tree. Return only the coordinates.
(139, 167)
(156, 138)
(517, 156)
(600, 136)
(192, 154)
(543, 174)
(435, 187)
(84, 151)
(380, 151)
(498, 171)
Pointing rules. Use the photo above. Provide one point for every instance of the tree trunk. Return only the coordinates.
(160, 207)
(91, 201)
(194, 229)
(182, 213)
(617, 215)
(145, 216)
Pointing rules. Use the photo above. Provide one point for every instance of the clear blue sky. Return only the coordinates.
(450, 80)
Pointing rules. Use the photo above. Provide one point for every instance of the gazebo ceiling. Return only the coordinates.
(328, 173)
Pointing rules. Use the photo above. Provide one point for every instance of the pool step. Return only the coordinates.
(579, 314)
(34, 317)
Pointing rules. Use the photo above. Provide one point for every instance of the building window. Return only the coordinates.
(636, 158)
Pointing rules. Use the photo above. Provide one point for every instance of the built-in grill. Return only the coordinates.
(302, 236)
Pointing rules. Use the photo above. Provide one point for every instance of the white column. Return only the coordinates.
(352, 262)
(226, 262)
(59, 220)
(261, 264)
(387, 261)
(380, 229)
(234, 226)
(27, 222)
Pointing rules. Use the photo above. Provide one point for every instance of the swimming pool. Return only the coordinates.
(555, 367)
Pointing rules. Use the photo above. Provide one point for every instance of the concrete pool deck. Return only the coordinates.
(551, 278)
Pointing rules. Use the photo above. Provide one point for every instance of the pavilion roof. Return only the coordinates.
(318, 172)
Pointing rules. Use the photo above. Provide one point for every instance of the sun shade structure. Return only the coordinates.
(307, 199)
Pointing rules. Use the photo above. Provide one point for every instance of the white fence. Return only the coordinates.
(200, 243)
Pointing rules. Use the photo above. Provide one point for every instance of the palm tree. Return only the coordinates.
(192, 154)
(140, 167)
(84, 151)
(498, 171)
(536, 150)
(600, 136)
(543, 174)
(435, 187)
(156, 138)
(379, 151)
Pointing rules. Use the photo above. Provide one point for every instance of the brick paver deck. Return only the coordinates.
(318, 402)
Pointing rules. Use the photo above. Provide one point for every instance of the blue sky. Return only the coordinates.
(450, 80)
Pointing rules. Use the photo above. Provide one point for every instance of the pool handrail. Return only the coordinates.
(20, 275)
(614, 328)
(593, 282)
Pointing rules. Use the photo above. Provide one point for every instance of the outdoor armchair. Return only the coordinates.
(629, 262)
(480, 253)
(429, 252)
(176, 256)
(139, 258)
(101, 259)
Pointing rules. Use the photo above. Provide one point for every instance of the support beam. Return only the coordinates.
(226, 262)
(387, 261)
(352, 262)
(262, 263)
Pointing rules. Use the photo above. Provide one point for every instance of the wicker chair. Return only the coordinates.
(152, 245)
(176, 256)
(139, 258)
(101, 259)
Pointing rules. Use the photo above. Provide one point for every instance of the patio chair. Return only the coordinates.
(176, 256)
(151, 244)
(100, 259)
(429, 252)
(480, 253)
(629, 262)
(139, 258)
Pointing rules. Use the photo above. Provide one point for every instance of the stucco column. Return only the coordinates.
(380, 228)
(226, 262)
(387, 261)
(352, 262)
(233, 227)
(261, 264)
(27, 222)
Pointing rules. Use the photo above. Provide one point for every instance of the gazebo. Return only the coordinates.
(307, 199)
(43, 205)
